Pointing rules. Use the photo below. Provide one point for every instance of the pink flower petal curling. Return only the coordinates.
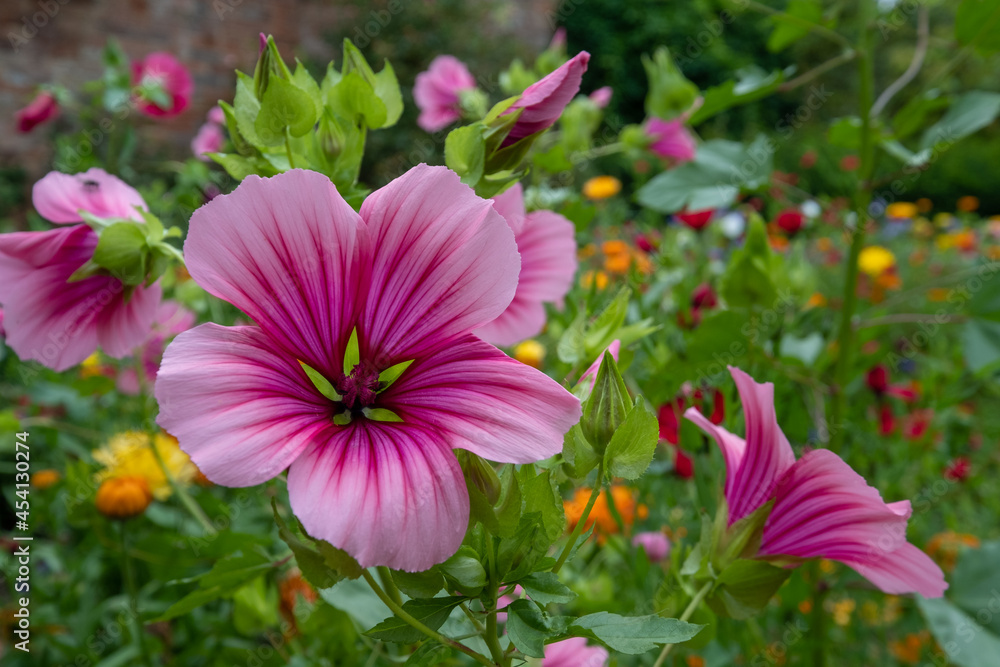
(485, 402)
(58, 323)
(824, 509)
(543, 101)
(241, 407)
(284, 251)
(437, 92)
(671, 139)
(442, 263)
(389, 495)
(591, 373)
(41, 109)
(60, 197)
(574, 652)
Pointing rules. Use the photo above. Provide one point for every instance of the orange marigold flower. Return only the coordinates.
(617, 263)
(910, 648)
(601, 187)
(615, 247)
(43, 479)
(292, 588)
(902, 210)
(945, 547)
(695, 661)
(625, 501)
(967, 204)
(123, 497)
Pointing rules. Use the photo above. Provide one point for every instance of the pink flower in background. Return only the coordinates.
(547, 244)
(822, 508)
(602, 96)
(208, 140)
(163, 85)
(60, 323)
(671, 139)
(171, 319)
(656, 545)
(216, 115)
(574, 652)
(543, 102)
(437, 92)
(41, 109)
(423, 264)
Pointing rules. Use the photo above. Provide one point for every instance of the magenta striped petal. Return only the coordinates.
(443, 262)
(283, 250)
(239, 406)
(543, 101)
(60, 197)
(510, 204)
(824, 509)
(733, 451)
(486, 402)
(388, 495)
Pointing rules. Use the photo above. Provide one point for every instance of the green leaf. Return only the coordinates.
(285, 106)
(670, 92)
(122, 250)
(976, 19)
(969, 113)
(321, 383)
(633, 444)
(310, 561)
(465, 153)
(352, 355)
(464, 572)
(432, 612)
(633, 635)
(429, 653)
(748, 281)
(338, 560)
(391, 374)
(602, 331)
(787, 32)
(753, 84)
(911, 118)
(845, 133)
(225, 577)
(745, 587)
(387, 89)
(527, 628)
(975, 582)
(578, 454)
(355, 99)
(965, 642)
(540, 495)
(572, 344)
(545, 588)
(509, 512)
(425, 584)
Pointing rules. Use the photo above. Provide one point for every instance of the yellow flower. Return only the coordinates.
(43, 479)
(902, 210)
(967, 204)
(91, 366)
(586, 252)
(123, 497)
(875, 260)
(130, 455)
(598, 278)
(601, 187)
(922, 228)
(530, 352)
(842, 610)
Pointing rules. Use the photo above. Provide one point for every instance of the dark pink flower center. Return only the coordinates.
(358, 389)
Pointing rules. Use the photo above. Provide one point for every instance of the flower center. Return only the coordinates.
(359, 388)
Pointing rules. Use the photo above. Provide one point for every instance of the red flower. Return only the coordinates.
(718, 408)
(163, 85)
(683, 465)
(850, 163)
(790, 220)
(878, 379)
(696, 220)
(668, 417)
(41, 109)
(887, 421)
(703, 296)
(808, 159)
(958, 470)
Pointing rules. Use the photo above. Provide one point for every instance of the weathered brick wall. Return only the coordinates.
(60, 41)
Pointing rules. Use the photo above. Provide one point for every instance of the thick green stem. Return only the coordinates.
(133, 598)
(417, 625)
(578, 528)
(288, 149)
(692, 606)
(390, 586)
(862, 199)
(492, 641)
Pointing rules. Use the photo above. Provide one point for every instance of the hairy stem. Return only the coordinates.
(578, 528)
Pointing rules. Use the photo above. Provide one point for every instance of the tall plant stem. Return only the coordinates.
(688, 611)
(862, 198)
(133, 598)
(578, 528)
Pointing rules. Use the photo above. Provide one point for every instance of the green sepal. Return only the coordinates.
(323, 385)
(391, 374)
(381, 415)
(352, 354)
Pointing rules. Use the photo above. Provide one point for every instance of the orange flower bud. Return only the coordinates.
(123, 497)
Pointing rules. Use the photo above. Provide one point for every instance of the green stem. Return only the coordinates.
(133, 598)
(288, 149)
(692, 606)
(578, 528)
(815, 28)
(820, 69)
(492, 641)
(417, 625)
(818, 630)
(390, 586)
(862, 199)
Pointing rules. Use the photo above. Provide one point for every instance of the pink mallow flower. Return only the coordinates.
(437, 92)
(60, 323)
(602, 96)
(208, 140)
(574, 652)
(163, 86)
(171, 319)
(671, 139)
(822, 508)
(216, 115)
(370, 463)
(547, 244)
(543, 102)
(655, 544)
(41, 109)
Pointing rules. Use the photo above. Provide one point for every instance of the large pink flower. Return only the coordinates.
(547, 243)
(423, 264)
(543, 101)
(822, 508)
(163, 85)
(60, 323)
(437, 92)
(41, 109)
(574, 652)
(671, 139)
(171, 319)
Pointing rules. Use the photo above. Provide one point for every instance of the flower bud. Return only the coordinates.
(269, 64)
(670, 93)
(607, 406)
(123, 497)
(480, 474)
